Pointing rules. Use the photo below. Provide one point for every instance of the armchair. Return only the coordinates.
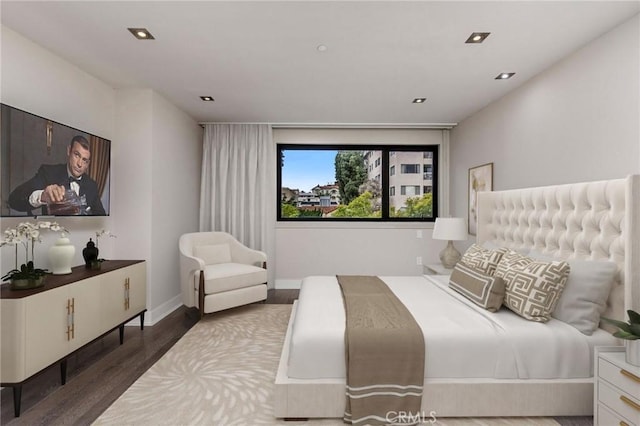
(217, 272)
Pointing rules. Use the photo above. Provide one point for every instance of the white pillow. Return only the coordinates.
(585, 294)
(213, 254)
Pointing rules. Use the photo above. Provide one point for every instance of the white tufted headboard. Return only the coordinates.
(592, 220)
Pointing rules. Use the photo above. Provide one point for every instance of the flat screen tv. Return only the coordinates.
(50, 169)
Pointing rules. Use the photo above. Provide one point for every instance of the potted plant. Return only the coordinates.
(28, 276)
(630, 332)
(27, 234)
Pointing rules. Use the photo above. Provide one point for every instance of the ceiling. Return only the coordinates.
(260, 61)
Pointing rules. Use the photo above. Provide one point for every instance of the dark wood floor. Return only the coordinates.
(99, 373)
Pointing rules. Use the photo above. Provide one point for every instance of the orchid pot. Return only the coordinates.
(26, 283)
(26, 277)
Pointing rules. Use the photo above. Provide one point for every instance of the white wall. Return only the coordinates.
(150, 204)
(355, 248)
(131, 181)
(577, 121)
(175, 187)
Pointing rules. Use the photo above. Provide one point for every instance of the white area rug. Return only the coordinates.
(221, 373)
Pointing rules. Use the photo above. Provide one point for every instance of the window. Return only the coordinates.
(427, 172)
(357, 182)
(410, 168)
(410, 190)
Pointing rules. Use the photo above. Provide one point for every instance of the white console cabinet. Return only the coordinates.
(42, 326)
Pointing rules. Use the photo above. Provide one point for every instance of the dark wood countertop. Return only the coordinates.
(78, 273)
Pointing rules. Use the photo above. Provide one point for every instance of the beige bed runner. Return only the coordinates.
(384, 355)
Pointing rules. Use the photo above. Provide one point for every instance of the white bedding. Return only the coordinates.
(462, 340)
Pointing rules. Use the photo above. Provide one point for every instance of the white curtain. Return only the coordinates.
(238, 185)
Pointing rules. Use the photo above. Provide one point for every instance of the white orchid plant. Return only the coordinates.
(27, 234)
(103, 233)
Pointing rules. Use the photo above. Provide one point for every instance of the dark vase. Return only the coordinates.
(90, 254)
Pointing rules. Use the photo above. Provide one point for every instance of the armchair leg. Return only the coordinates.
(201, 294)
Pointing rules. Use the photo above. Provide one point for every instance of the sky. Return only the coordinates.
(304, 169)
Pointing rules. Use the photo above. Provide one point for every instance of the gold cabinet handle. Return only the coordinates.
(126, 294)
(70, 318)
(630, 375)
(630, 403)
(73, 319)
(623, 423)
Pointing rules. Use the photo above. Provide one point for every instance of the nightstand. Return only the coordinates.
(436, 269)
(616, 391)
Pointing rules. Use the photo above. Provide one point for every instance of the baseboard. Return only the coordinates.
(152, 316)
(288, 284)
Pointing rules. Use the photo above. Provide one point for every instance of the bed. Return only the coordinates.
(507, 373)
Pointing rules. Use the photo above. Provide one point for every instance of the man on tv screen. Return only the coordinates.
(61, 189)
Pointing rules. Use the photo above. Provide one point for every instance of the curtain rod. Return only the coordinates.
(349, 125)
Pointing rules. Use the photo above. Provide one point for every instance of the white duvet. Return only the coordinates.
(462, 340)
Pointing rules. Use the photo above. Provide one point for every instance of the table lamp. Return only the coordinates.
(452, 229)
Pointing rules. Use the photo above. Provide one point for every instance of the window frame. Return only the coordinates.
(387, 151)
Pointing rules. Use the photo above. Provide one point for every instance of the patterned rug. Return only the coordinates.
(221, 373)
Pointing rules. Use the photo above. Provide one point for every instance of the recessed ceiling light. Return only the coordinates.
(477, 38)
(419, 100)
(207, 98)
(141, 33)
(321, 48)
(505, 75)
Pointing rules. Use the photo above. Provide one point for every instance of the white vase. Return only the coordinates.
(61, 255)
(632, 352)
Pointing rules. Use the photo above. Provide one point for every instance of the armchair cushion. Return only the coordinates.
(231, 276)
(213, 254)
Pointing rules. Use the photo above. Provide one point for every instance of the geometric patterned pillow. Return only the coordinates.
(533, 287)
(481, 289)
(482, 259)
(510, 259)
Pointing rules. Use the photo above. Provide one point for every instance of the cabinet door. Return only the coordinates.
(123, 294)
(12, 340)
(85, 296)
(47, 323)
(137, 288)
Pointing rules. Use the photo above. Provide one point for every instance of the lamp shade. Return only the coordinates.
(450, 228)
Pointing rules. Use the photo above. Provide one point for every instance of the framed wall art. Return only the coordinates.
(480, 179)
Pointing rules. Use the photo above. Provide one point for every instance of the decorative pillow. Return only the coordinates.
(482, 259)
(533, 288)
(213, 254)
(585, 295)
(483, 290)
